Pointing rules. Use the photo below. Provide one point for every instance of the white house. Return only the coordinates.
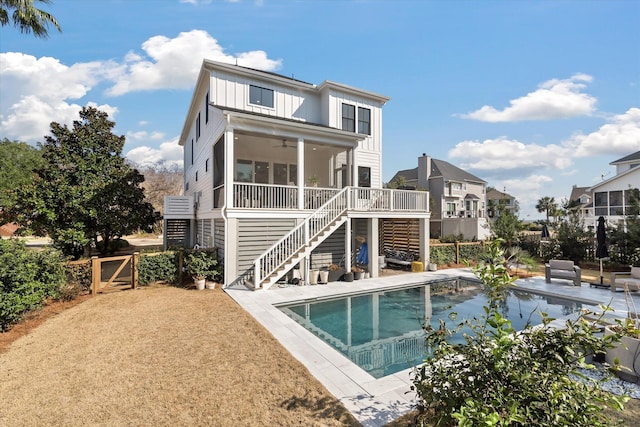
(280, 174)
(458, 197)
(612, 197)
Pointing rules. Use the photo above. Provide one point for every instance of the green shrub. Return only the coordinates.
(501, 377)
(441, 255)
(471, 252)
(156, 268)
(27, 279)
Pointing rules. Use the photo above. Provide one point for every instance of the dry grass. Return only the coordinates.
(163, 356)
(159, 356)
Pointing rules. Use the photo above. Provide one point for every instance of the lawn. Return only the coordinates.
(162, 356)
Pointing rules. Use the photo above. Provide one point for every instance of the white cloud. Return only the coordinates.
(169, 155)
(144, 135)
(38, 91)
(506, 154)
(621, 135)
(554, 99)
(174, 63)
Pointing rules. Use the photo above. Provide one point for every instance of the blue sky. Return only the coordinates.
(531, 96)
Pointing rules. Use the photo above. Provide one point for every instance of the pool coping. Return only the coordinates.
(376, 402)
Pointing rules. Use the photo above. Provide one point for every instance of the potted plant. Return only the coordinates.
(324, 276)
(623, 355)
(335, 273)
(313, 180)
(313, 276)
(357, 273)
(198, 265)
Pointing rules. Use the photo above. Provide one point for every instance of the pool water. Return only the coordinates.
(382, 331)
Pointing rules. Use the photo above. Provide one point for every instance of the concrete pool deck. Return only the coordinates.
(376, 402)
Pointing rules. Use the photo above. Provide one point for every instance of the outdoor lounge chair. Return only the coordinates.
(562, 269)
(629, 278)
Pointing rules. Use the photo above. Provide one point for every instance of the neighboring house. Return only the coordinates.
(497, 201)
(458, 198)
(280, 174)
(612, 197)
(581, 201)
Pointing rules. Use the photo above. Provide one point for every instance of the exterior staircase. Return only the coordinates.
(298, 244)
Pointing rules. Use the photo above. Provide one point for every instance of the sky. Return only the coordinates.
(531, 96)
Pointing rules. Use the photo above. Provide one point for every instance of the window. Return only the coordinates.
(280, 173)
(206, 165)
(293, 174)
(206, 108)
(261, 96)
(364, 176)
(198, 127)
(451, 209)
(364, 121)
(615, 203)
(348, 117)
(191, 150)
(262, 173)
(186, 186)
(244, 171)
(601, 203)
(196, 176)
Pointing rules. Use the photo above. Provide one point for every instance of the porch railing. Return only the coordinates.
(300, 236)
(267, 196)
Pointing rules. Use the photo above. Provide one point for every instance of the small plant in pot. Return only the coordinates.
(198, 266)
(624, 355)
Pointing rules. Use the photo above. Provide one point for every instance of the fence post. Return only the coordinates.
(134, 270)
(95, 275)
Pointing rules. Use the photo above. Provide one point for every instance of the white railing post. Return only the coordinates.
(256, 276)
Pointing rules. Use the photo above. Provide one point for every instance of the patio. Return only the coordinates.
(376, 402)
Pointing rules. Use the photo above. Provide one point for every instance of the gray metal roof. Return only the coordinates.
(629, 158)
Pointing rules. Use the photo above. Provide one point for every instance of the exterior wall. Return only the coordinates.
(331, 251)
(470, 228)
(232, 91)
(627, 181)
(436, 191)
(255, 236)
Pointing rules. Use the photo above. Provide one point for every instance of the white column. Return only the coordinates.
(424, 242)
(228, 167)
(374, 246)
(300, 152)
(347, 245)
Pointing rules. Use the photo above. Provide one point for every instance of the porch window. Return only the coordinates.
(261, 96)
(262, 173)
(349, 117)
(601, 203)
(364, 121)
(280, 173)
(615, 203)
(364, 176)
(244, 170)
(293, 174)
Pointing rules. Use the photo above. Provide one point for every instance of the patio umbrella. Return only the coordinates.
(363, 254)
(545, 232)
(601, 242)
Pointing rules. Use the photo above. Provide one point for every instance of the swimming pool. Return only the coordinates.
(382, 331)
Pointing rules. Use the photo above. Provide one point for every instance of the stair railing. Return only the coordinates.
(281, 251)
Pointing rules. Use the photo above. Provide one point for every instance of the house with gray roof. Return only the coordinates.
(498, 201)
(457, 198)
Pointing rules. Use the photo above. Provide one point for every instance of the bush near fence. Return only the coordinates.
(455, 253)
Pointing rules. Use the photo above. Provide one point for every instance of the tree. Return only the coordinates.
(506, 225)
(27, 18)
(18, 162)
(161, 181)
(546, 205)
(573, 239)
(85, 193)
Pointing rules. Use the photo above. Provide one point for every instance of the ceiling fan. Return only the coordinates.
(284, 144)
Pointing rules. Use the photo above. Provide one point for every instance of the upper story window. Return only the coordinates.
(198, 127)
(261, 96)
(206, 108)
(349, 117)
(364, 176)
(364, 121)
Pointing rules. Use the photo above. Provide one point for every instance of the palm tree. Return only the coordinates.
(24, 15)
(547, 205)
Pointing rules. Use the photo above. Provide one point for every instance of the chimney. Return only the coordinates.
(424, 171)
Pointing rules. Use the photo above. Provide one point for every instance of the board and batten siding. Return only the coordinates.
(255, 236)
(330, 251)
(334, 103)
(218, 236)
(229, 90)
(372, 160)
